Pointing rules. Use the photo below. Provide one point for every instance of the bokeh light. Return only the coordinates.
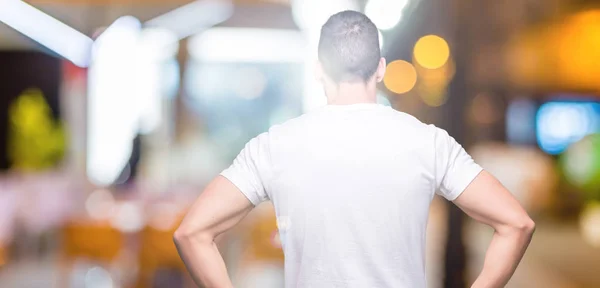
(431, 51)
(100, 204)
(561, 123)
(520, 121)
(400, 77)
(98, 277)
(128, 217)
(440, 76)
(310, 15)
(386, 14)
(148, 147)
(158, 43)
(119, 78)
(581, 165)
(483, 109)
(433, 96)
(589, 223)
(433, 83)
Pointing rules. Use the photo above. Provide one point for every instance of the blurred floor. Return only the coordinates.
(30, 274)
(557, 257)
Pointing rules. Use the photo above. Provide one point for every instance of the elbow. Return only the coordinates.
(525, 226)
(528, 226)
(180, 235)
(185, 234)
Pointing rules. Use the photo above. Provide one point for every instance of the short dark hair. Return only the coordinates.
(349, 47)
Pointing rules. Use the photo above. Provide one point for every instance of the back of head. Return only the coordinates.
(349, 47)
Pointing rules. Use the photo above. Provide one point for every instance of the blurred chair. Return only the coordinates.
(99, 242)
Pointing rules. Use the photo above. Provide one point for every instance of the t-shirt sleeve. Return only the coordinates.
(250, 170)
(454, 168)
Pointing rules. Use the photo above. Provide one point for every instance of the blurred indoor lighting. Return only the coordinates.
(310, 15)
(431, 51)
(100, 204)
(561, 123)
(193, 17)
(124, 29)
(112, 118)
(127, 79)
(400, 77)
(98, 277)
(380, 39)
(567, 46)
(589, 223)
(44, 29)
(157, 47)
(158, 43)
(124, 176)
(128, 217)
(252, 45)
(386, 14)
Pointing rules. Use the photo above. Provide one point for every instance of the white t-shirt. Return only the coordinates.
(351, 186)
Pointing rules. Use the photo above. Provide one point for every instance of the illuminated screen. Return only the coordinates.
(561, 123)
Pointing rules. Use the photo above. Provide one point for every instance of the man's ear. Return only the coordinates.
(380, 73)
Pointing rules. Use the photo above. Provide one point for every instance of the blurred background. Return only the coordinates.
(114, 114)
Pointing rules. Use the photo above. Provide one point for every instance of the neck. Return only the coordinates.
(347, 93)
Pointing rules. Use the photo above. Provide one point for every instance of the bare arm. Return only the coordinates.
(219, 208)
(488, 202)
